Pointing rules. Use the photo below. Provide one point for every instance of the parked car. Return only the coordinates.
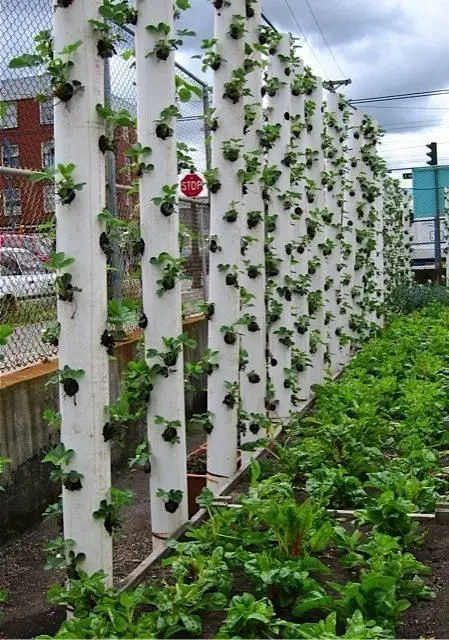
(22, 275)
(40, 246)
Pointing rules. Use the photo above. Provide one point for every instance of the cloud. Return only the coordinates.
(342, 21)
(387, 46)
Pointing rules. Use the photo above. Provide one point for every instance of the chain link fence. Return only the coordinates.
(27, 301)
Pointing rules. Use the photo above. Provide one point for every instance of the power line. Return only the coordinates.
(304, 36)
(405, 122)
(415, 146)
(402, 96)
(324, 38)
(373, 106)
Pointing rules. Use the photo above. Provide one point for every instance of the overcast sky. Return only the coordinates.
(384, 46)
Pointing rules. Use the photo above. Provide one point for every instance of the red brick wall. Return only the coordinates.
(28, 135)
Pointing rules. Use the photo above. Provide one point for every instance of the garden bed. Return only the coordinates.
(280, 565)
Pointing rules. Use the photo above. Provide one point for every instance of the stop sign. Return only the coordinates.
(191, 185)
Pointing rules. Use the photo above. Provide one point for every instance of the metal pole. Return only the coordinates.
(115, 275)
(203, 231)
(437, 227)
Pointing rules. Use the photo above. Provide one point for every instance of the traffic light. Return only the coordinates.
(432, 154)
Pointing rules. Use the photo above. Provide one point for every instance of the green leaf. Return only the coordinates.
(5, 332)
(321, 538)
(25, 60)
(324, 603)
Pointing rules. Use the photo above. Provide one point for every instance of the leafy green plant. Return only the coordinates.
(60, 458)
(172, 269)
(63, 281)
(172, 499)
(142, 457)
(163, 128)
(58, 67)
(66, 187)
(50, 334)
(61, 556)
(168, 200)
(165, 45)
(109, 510)
(249, 618)
(68, 378)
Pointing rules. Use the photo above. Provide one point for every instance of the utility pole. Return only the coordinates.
(433, 162)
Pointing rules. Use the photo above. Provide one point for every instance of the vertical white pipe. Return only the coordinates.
(222, 442)
(350, 225)
(314, 210)
(299, 231)
(77, 130)
(333, 202)
(347, 251)
(356, 134)
(279, 106)
(155, 92)
(253, 341)
(379, 260)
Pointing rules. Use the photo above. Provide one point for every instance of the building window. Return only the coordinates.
(46, 110)
(48, 153)
(10, 155)
(49, 198)
(11, 202)
(8, 115)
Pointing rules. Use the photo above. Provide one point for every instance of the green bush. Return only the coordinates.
(411, 297)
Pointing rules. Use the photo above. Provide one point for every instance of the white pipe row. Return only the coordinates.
(229, 389)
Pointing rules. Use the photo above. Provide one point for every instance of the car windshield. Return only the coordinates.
(29, 263)
(20, 262)
(8, 265)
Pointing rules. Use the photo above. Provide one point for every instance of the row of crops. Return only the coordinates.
(282, 564)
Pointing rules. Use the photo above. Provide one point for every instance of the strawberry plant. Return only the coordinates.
(172, 269)
(163, 128)
(109, 510)
(60, 458)
(172, 499)
(59, 68)
(66, 187)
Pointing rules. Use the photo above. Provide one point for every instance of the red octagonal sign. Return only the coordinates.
(191, 185)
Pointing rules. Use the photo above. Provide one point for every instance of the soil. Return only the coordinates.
(28, 613)
(430, 619)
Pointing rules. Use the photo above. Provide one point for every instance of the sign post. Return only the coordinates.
(192, 185)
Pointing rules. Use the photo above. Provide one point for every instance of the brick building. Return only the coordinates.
(26, 142)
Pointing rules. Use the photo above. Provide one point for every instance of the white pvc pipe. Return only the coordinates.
(279, 105)
(350, 224)
(313, 142)
(359, 223)
(299, 235)
(222, 442)
(155, 92)
(77, 130)
(253, 342)
(333, 202)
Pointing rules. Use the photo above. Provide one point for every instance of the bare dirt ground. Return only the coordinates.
(28, 613)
